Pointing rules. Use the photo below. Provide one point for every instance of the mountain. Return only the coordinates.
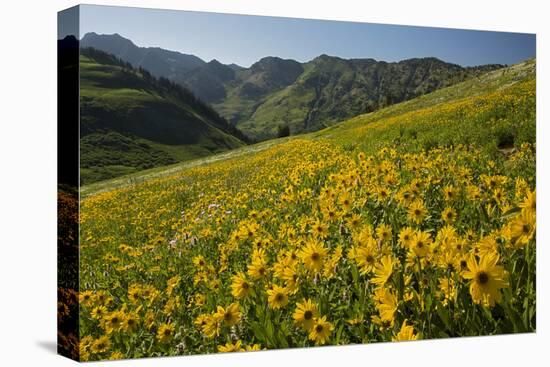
(131, 120)
(303, 96)
(332, 89)
(158, 61)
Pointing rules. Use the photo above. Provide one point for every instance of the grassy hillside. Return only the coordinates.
(493, 111)
(356, 133)
(329, 89)
(415, 221)
(131, 121)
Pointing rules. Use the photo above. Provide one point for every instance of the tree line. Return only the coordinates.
(168, 87)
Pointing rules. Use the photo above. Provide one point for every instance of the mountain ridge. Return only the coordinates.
(275, 92)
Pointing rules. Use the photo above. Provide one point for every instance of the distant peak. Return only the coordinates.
(325, 57)
(115, 37)
(270, 59)
(273, 60)
(103, 35)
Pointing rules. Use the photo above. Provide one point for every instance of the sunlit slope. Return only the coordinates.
(415, 222)
(494, 110)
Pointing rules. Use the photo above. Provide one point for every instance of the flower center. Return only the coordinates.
(319, 328)
(315, 256)
(308, 315)
(482, 277)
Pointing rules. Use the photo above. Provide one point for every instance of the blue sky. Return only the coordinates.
(243, 39)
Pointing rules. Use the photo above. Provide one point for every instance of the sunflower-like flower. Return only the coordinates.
(406, 237)
(320, 331)
(166, 332)
(313, 254)
(420, 245)
(231, 347)
(448, 215)
(522, 227)
(384, 232)
(112, 321)
(319, 229)
(386, 305)
(258, 268)
(101, 345)
(486, 279)
(417, 211)
(383, 271)
(209, 324)
(529, 204)
(98, 312)
(406, 333)
(277, 297)
(130, 323)
(449, 193)
(253, 347)
(240, 287)
(230, 315)
(305, 314)
(365, 257)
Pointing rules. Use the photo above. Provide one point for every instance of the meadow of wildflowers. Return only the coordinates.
(417, 225)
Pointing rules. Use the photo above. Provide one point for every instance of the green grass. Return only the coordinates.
(129, 124)
(144, 175)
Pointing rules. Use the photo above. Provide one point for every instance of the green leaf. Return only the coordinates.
(444, 316)
(511, 213)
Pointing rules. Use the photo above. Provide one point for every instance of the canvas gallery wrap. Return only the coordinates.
(235, 183)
